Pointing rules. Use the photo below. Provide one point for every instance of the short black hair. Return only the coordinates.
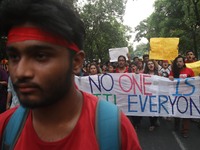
(53, 16)
(189, 51)
(122, 57)
(145, 55)
(135, 57)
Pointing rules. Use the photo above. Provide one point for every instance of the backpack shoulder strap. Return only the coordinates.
(108, 126)
(14, 128)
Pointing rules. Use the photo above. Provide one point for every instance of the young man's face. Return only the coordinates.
(41, 72)
(180, 63)
(190, 56)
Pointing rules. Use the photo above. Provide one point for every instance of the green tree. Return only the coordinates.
(141, 49)
(192, 19)
(104, 27)
(173, 19)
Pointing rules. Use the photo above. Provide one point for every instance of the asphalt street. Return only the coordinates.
(165, 138)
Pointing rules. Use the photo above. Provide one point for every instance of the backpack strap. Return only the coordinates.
(14, 128)
(108, 126)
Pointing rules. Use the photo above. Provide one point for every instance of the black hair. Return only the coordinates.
(145, 55)
(146, 68)
(189, 51)
(133, 63)
(53, 16)
(175, 69)
(122, 57)
(135, 58)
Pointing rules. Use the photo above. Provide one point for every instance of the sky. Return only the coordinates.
(136, 11)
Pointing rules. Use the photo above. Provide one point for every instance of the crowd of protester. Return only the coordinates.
(135, 65)
(165, 68)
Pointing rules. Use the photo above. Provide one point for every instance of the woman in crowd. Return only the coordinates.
(140, 66)
(151, 69)
(94, 69)
(133, 68)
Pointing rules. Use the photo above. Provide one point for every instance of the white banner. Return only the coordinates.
(114, 53)
(146, 95)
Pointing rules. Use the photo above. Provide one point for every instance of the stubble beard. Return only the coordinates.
(56, 92)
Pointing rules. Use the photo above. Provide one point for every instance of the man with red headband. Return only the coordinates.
(45, 42)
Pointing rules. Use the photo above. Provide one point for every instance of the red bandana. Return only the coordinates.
(18, 34)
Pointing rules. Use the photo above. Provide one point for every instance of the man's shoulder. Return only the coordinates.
(89, 96)
(90, 101)
(6, 115)
(4, 118)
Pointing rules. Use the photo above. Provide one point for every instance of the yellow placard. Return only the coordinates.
(195, 66)
(163, 48)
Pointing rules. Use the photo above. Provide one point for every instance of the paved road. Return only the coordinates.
(165, 138)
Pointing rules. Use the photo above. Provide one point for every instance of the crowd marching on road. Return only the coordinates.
(43, 58)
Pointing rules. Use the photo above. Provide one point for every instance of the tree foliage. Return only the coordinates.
(103, 24)
(104, 27)
(141, 49)
(171, 18)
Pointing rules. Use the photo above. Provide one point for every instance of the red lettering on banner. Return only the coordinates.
(146, 83)
(120, 83)
(135, 83)
(139, 86)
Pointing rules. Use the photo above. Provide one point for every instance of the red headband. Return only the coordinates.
(18, 34)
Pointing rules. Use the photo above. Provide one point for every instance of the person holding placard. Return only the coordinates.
(121, 67)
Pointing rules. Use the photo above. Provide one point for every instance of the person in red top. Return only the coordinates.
(121, 67)
(179, 70)
(44, 47)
